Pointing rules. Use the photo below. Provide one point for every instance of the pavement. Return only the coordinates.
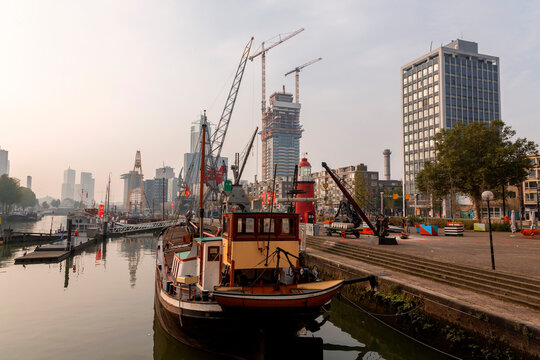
(514, 253)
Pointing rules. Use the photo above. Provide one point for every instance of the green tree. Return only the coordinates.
(55, 203)
(362, 191)
(28, 198)
(10, 193)
(473, 158)
(45, 205)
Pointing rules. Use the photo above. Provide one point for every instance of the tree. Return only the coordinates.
(45, 205)
(28, 198)
(476, 157)
(10, 193)
(362, 192)
(55, 203)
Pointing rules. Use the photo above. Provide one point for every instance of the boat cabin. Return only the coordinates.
(200, 265)
(255, 241)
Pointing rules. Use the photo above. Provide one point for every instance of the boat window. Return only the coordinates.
(226, 225)
(286, 226)
(239, 227)
(213, 253)
(267, 225)
(250, 225)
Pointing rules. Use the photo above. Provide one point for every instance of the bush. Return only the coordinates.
(500, 227)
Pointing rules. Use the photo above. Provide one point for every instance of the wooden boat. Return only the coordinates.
(246, 281)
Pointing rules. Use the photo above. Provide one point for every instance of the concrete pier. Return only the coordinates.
(494, 317)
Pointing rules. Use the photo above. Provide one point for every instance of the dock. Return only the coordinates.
(57, 251)
(11, 236)
(452, 278)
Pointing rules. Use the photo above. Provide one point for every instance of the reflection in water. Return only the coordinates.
(108, 317)
(132, 248)
(67, 266)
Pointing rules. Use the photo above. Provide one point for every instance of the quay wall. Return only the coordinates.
(444, 322)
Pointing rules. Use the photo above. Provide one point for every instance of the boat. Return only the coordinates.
(247, 281)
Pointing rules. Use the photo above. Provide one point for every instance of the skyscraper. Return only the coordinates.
(4, 162)
(68, 186)
(451, 84)
(281, 133)
(87, 187)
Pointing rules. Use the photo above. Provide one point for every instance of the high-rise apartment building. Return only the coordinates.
(281, 133)
(4, 162)
(68, 186)
(451, 84)
(29, 182)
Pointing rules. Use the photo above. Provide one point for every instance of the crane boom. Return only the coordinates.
(296, 70)
(262, 52)
(218, 136)
(244, 156)
(350, 198)
(303, 66)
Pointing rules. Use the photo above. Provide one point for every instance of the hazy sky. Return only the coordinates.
(88, 83)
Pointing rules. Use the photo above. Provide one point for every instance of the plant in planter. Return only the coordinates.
(404, 236)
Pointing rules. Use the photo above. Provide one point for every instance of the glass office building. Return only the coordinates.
(450, 84)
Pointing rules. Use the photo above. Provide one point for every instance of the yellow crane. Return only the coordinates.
(296, 70)
(262, 52)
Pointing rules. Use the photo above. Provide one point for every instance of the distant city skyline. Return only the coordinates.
(87, 84)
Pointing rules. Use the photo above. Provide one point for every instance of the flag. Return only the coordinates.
(187, 191)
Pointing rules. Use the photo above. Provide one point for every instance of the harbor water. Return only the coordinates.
(99, 305)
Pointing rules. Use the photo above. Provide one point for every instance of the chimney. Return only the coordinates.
(387, 154)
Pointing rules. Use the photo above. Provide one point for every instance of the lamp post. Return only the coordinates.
(537, 200)
(488, 196)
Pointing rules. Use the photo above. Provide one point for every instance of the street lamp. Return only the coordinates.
(488, 196)
(537, 200)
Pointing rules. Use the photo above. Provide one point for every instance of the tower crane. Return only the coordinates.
(262, 52)
(296, 70)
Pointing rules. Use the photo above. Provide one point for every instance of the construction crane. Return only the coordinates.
(214, 143)
(297, 76)
(262, 52)
(136, 186)
(218, 136)
(238, 168)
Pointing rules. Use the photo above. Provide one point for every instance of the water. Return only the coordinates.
(99, 305)
(46, 224)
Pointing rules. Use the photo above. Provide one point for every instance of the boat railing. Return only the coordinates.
(184, 292)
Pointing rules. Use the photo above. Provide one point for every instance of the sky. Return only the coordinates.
(86, 84)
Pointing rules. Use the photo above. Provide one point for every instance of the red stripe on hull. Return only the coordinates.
(281, 302)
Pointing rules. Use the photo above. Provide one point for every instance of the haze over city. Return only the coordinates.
(87, 84)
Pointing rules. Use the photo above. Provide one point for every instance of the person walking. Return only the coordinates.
(408, 224)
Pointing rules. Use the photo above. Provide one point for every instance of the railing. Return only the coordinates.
(127, 228)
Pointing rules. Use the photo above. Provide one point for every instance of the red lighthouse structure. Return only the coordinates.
(305, 195)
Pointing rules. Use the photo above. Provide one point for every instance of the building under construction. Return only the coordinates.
(281, 133)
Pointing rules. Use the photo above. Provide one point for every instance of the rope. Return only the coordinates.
(399, 331)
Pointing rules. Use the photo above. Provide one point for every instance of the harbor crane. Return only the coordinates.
(262, 52)
(214, 143)
(241, 159)
(296, 70)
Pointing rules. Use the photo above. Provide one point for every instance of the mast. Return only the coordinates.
(201, 190)
(272, 222)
